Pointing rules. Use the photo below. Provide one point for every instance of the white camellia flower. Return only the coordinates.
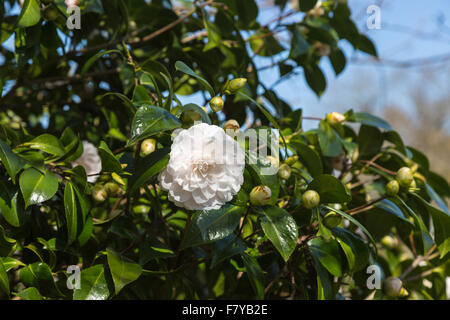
(90, 160)
(71, 3)
(205, 170)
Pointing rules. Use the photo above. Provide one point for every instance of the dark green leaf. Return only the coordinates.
(123, 270)
(181, 66)
(255, 274)
(93, 284)
(330, 189)
(37, 187)
(329, 142)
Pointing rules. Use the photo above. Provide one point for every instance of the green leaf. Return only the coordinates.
(70, 209)
(30, 294)
(366, 45)
(40, 276)
(37, 187)
(109, 161)
(329, 141)
(370, 140)
(123, 270)
(30, 14)
(47, 143)
(93, 284)
(255, 275)
(355, 222)
(370, 120)
(315, 79)
(212, 225)
(441, 223)
(127, 102)
(355, 249)
(181, 66)
(327, 252)
(261, 176)
(7, 245)
(338, 60)
(436, 198)
(299, 45)
(10, 263)
(4, 280)
(330, 189)
(12, 163)
(213, 33)
(281, 229)
(150, 120)
(226, 248)
(193, 107)
(392, 208)
(308, 157)
(12, 205)
(264, 44)
(147, 168)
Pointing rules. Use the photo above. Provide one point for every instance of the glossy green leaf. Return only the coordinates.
(93, 284)
(181, 66)
(281, 229)
(109, 161)
(150, 120)
(47, 143)
(327, 252)
(12, 206)
(330, 189)
(329, 141)
(30, 14)
(13, 163)
(315, 79)
(355, 249)
(308, 157)
(255, 274)
(212, 225)
(30, 294)
(4, 279)
(40, 276)
(193, 107)
(370, 120)
(70, 209)
(7, 245)
(123, 270)
(37, 187)
(226, 248)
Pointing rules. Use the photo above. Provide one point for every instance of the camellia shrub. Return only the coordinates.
(112, 188)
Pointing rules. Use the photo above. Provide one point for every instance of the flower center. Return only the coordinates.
(201, 166)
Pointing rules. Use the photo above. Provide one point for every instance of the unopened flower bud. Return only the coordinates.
(310, 199)
(335, 118)
(404, 177)
(231, 125)
(51, 13)
(392, 287)
(392, 188)
(113, 189)
(147, 147)
(216, 104)
(234, 85)
(284, 171)
(99, 193)
(260, 195)
(332, 220)
(273, 161)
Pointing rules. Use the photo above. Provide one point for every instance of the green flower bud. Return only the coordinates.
(237, 84)
(189, 117)
(392, 287)
(231, 125)
(310, 199)
(274, 162)
(404, 177)
(216, 104)
(51, 13)
(99, 193)
(141, 209)
(113, 189)
(284, 171)
(355, 155)
(335, 118)
(392, 188)
(332, 220)
(260, 195)
(147, 147)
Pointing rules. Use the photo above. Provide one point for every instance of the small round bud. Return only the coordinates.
(141, 209)
(389, 241)
(392, 188)
(392, 287)
(284, 171)
(236, 84)
(273, 161)
(404, 177)
(335, 118)
(216, 104)
(113, 189)
(51, 13)
(310, 199)
(332, 220)
(99, 193)
(260, 195)
(231, 125)
(189, 117)
(147, 147)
